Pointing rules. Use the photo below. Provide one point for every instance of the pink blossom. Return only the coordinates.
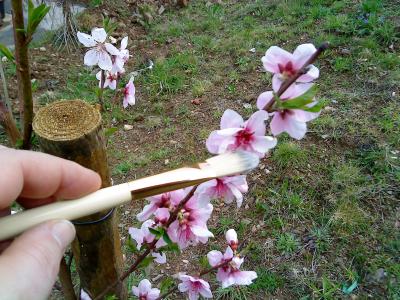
(84, 295)
(167, 200)
(159, 258)
(123, 57)
(161, 215)
(129, 94)
(191, 224)
(236, 133)
(144, 236)
(227, 188)
(284, 64)
(292, 121)
(194, 286)
(145, 292)
(231, 238)
(230, 274)
(110, 80)
(100, 51)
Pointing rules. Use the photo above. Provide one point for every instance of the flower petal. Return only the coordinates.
(91, 57)
(214, 257)
(105, 62)
(263, 143)
(201, 231)
(256, 123)
(86, 39)
(144, 286)
(112, 49)
(288, 124)
(275, 56)
(302, 54)
(264, 99)
(230, 119)
(124, 43)
(313, 73)
(99, 34)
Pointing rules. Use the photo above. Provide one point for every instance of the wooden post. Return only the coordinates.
(72, 130)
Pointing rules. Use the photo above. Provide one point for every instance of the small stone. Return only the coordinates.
(393, 94)
(253, 50)
(247, 105)
(267, 171)
(128, 127)
(325, 136)
(43, 49)
(185, 261)
(161, 9)
(166, 162)
(254, 228)
(379, 275)
(4, 59)
(246, 221)
(157, 277)
(246, 206)
(345, 51)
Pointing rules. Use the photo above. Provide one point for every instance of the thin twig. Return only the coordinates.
(5, 89)
(303, 70)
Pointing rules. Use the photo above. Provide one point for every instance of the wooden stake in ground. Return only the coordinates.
(72, 130)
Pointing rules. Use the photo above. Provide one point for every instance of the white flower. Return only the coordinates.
(99, 53)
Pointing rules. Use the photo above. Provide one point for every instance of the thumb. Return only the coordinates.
(29, 266)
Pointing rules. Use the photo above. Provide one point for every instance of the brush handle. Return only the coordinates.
(106, 198)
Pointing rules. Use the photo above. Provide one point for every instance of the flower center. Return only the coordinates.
(183, 217)
(286, 70)
(244, 137)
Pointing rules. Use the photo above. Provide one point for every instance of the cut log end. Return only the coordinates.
(66, 120)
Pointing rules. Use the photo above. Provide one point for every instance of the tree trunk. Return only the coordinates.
(72, 130)
(23, 72)
(66, 281)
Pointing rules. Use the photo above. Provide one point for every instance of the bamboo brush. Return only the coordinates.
(218, 166)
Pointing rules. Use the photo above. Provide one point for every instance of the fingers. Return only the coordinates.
(33, 175)
(34, 259)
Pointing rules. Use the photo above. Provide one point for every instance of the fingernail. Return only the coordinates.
(63, 232)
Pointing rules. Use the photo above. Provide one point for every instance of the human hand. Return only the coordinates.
(29, 264)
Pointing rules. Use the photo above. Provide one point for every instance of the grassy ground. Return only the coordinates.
(323, 213)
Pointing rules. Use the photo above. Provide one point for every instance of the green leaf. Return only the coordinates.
(131, 246)
(167, 239)
(147, 261)
(316, 108)
(159, 232)
(300, 101)
(6, 52)
(171, 248)
(35, 16)
(110, 131)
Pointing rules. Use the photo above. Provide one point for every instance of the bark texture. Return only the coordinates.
(72, 130)
(23, 72)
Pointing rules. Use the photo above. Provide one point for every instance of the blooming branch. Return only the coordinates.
(150, 246)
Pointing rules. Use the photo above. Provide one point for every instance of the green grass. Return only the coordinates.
(325, 213)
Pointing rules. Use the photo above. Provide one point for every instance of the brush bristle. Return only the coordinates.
(233, 163)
